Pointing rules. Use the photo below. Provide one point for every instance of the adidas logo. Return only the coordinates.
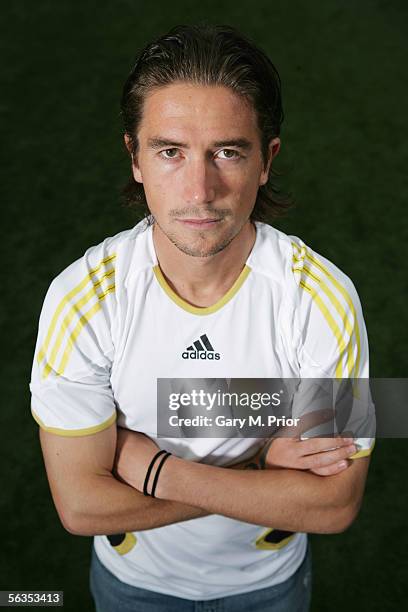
(200, 349)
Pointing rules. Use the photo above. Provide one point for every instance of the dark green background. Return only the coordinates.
(344, 153)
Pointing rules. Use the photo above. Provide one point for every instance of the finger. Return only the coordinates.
(330, 470)
(328, 457)
(318, 445)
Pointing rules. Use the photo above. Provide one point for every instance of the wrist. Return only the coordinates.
(153, 472)
(164, 489)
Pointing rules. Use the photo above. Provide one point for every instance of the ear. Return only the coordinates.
(273, 150)
(137, 175)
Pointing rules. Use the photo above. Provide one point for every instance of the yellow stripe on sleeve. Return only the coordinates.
(84, 319)
(331, 322)
(351, 364)
(349, 301)
(67, 298)
(75, 309)
(72, 338)
(344, 318)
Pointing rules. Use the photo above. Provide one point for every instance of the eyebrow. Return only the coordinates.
(240, 143)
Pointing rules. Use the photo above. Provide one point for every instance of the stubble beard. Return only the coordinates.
(203, 250)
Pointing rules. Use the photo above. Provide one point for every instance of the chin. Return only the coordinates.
(201, 248)
(195, 250)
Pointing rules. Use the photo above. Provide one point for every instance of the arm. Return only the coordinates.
(308, 502)
(284, 499)
(89, 500)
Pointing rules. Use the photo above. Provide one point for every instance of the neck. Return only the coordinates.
(203, 280)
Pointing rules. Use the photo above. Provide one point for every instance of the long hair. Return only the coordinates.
(206, 54)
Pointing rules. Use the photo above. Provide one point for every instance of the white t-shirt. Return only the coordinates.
(111, 325)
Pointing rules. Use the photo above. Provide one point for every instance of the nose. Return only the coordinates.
(198, 182)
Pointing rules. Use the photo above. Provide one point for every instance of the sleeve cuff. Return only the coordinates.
(75, 432)
(364, 452)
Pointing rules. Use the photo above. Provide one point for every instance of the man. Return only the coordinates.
(202, 114)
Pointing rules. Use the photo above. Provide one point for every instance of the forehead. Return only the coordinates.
(198, 109)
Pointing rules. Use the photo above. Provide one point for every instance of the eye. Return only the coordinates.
(235, 154)
(173, 149)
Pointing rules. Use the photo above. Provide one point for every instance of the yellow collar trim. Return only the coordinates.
(197, 309)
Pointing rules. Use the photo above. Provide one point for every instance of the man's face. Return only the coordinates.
(200, 163)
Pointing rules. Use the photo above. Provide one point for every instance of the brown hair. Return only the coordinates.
(208, 54)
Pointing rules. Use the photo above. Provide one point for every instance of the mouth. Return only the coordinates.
(200, 223)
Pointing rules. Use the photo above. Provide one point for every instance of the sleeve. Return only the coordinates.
(70, 386)
(331, 338)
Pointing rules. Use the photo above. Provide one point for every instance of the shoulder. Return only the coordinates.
(322, 287)
(271, 258)
(81, 305)
(103, 264)
(322, 309)
(315, 273)
(288, 260)
(328, 314)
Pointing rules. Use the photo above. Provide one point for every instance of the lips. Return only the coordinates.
(200, 220)
(201, 224)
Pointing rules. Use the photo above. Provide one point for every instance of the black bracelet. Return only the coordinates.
(156, 476)
(150, 470)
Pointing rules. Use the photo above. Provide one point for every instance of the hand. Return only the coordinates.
(134, 452)
(322, 456)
